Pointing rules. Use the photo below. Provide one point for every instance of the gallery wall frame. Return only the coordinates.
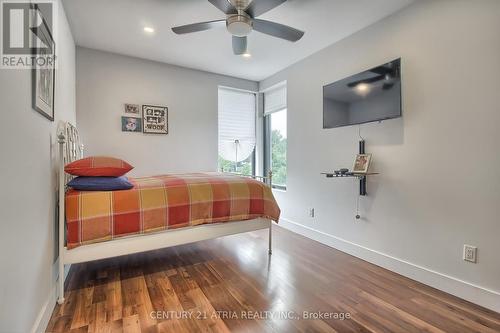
(44, 77)
(155, 119)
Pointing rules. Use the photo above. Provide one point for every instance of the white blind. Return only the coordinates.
(275, 99)
(236, 124)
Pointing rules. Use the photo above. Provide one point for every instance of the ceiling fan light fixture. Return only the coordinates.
(239, 25)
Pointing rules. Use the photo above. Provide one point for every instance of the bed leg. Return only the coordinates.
(270, 251)
(60, 283)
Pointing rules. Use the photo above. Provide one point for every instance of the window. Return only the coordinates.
(237, 131)
(275, 134)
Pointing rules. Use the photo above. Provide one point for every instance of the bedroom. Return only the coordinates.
(399, 267)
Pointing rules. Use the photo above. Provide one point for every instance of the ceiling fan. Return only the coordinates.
(387, 72)
(241, 20)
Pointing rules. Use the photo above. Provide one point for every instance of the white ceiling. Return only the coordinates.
(117, 26)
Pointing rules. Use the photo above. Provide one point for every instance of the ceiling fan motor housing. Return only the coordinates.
(240, 24)
(240, 4)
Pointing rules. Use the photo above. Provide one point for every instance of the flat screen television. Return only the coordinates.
(372, 95)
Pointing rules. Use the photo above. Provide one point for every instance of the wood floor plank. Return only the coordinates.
(225, 304)
(230, 284)
(402, 315)
(458, 318)
(131, 324)
(98, 318)
(114, 295)
(208, 319)
(83, 308)
(458, 304)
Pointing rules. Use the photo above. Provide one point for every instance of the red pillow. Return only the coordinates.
(98, 166)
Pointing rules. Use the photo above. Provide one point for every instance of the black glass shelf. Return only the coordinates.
(348, 175)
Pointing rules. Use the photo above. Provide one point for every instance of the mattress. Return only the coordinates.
(165, 202)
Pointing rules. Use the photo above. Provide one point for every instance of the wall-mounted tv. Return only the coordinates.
(372, 95)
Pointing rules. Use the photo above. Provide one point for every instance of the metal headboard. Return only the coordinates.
(73, 147)
(70, 149)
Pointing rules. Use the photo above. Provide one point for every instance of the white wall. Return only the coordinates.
(29, 183)
(439, 185)
(106, 81)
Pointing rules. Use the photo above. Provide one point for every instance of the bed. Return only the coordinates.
(159, 211)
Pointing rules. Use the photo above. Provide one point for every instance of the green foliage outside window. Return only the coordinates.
(244, 167)
(278, 156)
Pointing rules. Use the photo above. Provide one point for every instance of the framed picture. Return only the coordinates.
(131, 124)
(132, 108)
(44, 77)
(362, 163)
(155, 119)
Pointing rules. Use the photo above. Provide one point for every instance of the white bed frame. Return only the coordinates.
(71, 149)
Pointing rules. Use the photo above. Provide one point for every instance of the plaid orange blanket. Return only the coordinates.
(165, 202)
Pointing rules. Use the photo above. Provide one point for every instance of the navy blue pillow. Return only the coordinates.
(100, 183)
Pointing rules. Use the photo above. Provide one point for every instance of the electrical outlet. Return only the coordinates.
(470, 253)
(311, 212)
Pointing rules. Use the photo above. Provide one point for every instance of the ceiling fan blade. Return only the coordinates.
(370, 80)
(259, 7)
(224, 5)
(188, 28)
(239, 45)
(277, 30)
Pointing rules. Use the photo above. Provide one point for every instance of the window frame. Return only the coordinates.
(266, 122)
(267, 147)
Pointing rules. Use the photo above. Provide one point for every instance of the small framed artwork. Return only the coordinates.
(362, 163)
(44, 77)
(155, 119)
(132, 108)
(131, 124)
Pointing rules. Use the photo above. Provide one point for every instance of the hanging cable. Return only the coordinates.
(359, 133)
(357, 207)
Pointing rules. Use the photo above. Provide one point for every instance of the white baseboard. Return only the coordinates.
(476, 294)
(42, 320)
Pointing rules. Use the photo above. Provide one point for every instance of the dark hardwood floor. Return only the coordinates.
(229, 284)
